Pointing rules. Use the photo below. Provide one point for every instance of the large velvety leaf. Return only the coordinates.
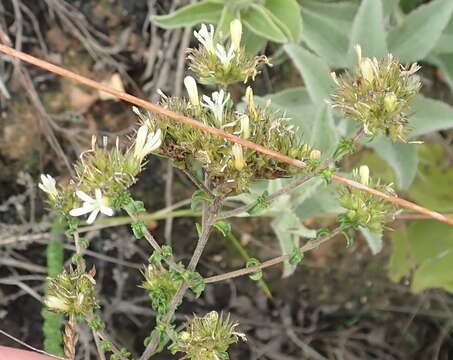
(374, 240)
(314, 70)
(368, 29)
(323, 35)
(324, 134)
(432, 186)
(420, 31)
(259, 20)
(296, 104)
(445, 63)
(427, 246)
(229, 13)
(430, 115)
(282, 226)
(320, 202)
(202, 12)
(401, 157)
(287, 14)
(253, 43)
(445, 43)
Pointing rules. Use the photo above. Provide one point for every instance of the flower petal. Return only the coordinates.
(82, 195)
(85, 209)
(92, 216)
(106, 210)
(98, 194)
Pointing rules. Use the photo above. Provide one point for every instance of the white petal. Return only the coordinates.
(82, 195)
(92, 216)
(106, 210)
(98, 195)
(142, 133)
(85, 209)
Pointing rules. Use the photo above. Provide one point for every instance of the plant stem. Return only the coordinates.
(277, 260)
(208, 215)
(198, 183)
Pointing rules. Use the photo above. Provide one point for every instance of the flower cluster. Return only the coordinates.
(363, 208)
(162, 288)
(230, 166)
(207, 338)
(378, 95)
(72, 292)
(101, 175)
(214, 63)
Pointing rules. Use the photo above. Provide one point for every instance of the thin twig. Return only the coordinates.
(277, 260)
(198, 183)
(188, 121)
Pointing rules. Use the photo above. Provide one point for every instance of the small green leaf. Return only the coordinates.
(314, 70)
(134, 206)
(296, 257)
(368, 30)
(288, 17)
(223, 226)
(257, 275)
(257, 19)
(260, 204)
(202, 12)
(197, 284)
(198, 197)
(139, 229)
(421, 29)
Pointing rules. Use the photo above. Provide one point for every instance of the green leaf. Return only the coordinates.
(288, 17)
(427, 246)
(374, 240)
(430, 115)
(260, 204)
(445, 43)
(257, 19)
(296, 257)
(253, 43)
(198, 197)
(419, 32)
(202, 12)
(138, 228)
(314, 70)
(324, 133)
(320, 202)
(401, 157)
(223, 226)
(445, 64)
(257, 275)
(324, 33)
(223, 27)
(288, 241)
(368, 30)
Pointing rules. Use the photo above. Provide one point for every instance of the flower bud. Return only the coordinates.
(245, 126)
(48, 185)
(146, 142)
(236, 33)
(364, 173)
(367, 69)
(192, 90)
(249, 100)
(315, 154)
(56, 303)
(238, 155)
(390, 102)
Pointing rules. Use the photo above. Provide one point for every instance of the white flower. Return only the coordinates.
(224, 56)
(238, 155)
(364, 172)
(236, 33)
(48, 185)
(206, 37)
(192, 90)
(93, 206)
(146, 142)
(217, 104)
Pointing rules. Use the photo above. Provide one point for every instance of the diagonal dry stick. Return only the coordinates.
(186, 120)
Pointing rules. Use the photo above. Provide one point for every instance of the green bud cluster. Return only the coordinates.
(72, 292)
(229, 166)
(363, 208)
(378, 96)
(207, 337)
(161, 286)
